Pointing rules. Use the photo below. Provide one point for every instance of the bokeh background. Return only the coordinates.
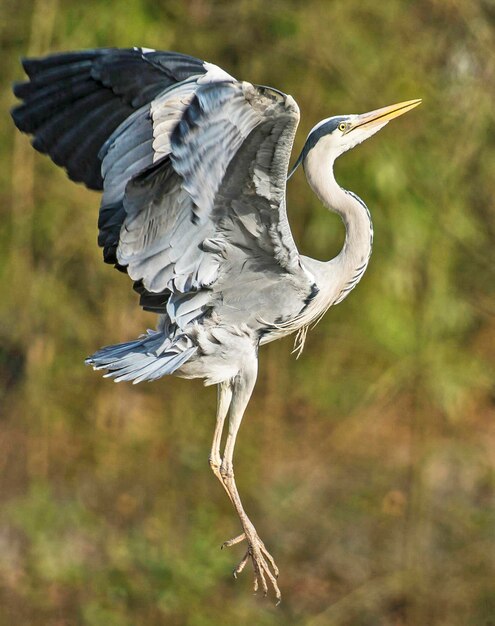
(368, 464)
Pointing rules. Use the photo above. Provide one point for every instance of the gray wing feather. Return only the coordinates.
(210, 209)
(142, 139)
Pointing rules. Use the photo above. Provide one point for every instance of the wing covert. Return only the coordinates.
(216, 203)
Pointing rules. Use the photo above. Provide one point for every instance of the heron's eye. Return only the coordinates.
(342, 126)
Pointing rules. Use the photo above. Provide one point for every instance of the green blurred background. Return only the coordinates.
(368, 464)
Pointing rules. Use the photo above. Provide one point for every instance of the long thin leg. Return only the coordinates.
(224, 399)
(263, 563)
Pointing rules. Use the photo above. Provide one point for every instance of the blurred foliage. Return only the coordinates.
(368, 465)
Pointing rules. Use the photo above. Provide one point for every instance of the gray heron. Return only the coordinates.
(192, 165)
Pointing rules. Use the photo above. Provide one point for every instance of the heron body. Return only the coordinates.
(192, 165)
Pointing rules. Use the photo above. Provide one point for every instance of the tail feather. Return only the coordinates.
(146, 358)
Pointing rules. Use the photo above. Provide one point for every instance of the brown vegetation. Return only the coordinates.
(368, 464)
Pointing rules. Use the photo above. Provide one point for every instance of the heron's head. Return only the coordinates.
(342, 132)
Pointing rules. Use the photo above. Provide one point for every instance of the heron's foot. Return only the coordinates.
(263, 563)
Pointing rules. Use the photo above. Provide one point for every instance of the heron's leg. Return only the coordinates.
(263, 563)
(223, 403)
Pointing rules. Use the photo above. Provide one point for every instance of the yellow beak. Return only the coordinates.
(380, 116)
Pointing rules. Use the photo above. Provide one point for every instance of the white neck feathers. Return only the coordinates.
(347, 268)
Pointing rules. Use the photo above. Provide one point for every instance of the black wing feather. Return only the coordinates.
(72, 94)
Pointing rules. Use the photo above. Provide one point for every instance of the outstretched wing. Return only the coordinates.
(193, 169)
(205, 225)
(75, 100)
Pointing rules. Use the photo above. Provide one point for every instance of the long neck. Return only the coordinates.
(350, 264)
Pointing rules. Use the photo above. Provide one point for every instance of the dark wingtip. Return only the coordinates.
(17, 115)
(21, 89)
(29, 65)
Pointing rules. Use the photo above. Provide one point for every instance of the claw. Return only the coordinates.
(232, 542)
(270, 559)
(263, 563)
(241, 565)
(263, 584)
